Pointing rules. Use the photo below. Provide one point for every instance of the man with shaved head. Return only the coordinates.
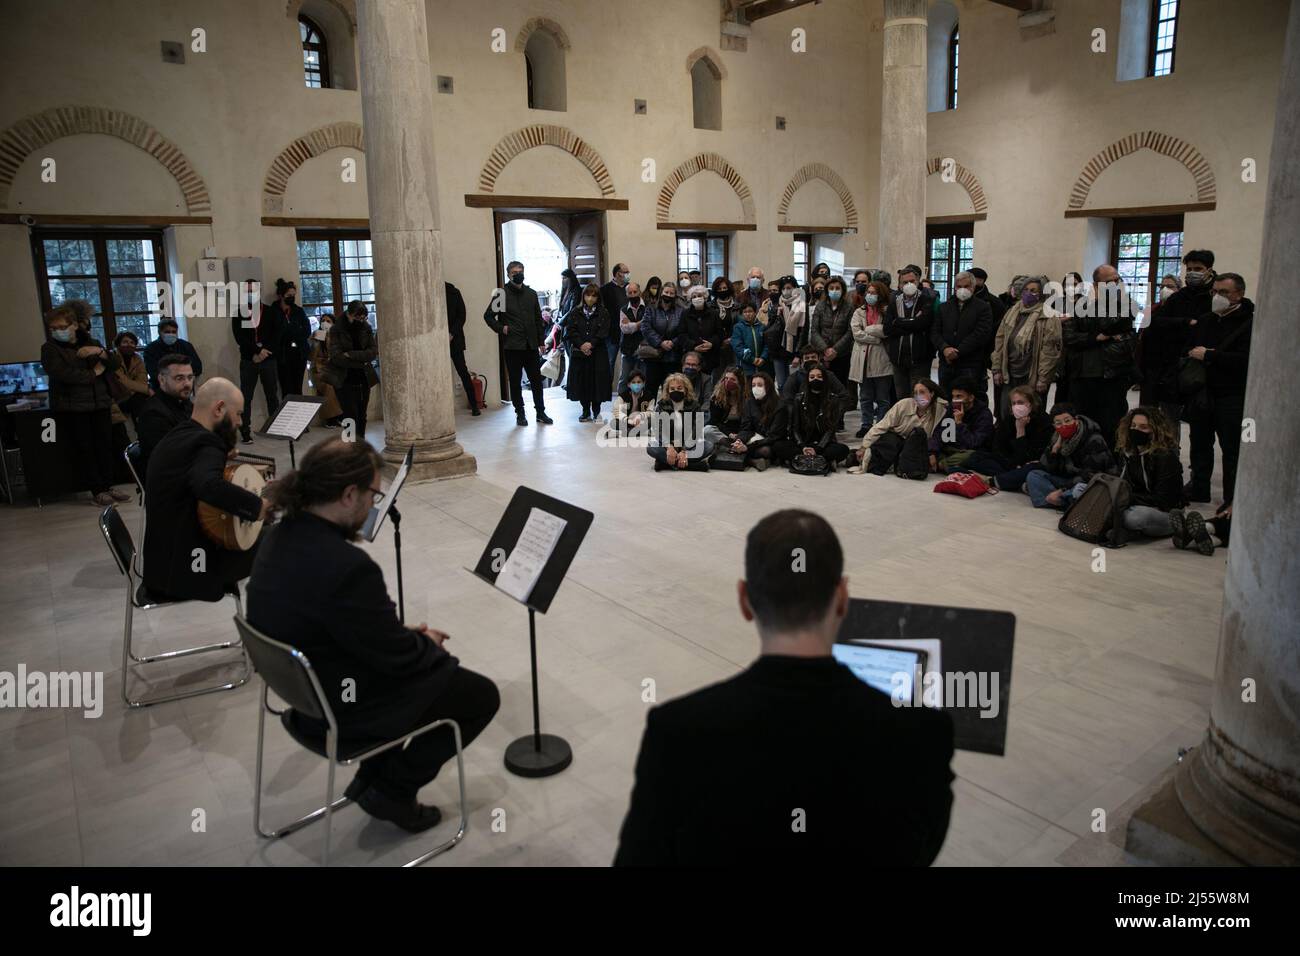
(188, 466)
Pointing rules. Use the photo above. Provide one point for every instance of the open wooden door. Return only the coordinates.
(587, 247)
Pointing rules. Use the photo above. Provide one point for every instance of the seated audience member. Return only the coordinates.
(785, 331)
(870, 366)
(632, 402)
(693, 369)
(766, 421)
(1019, 440)
(167, 407)
(1027, 346)
(169, 342)
(1192, 531)
(1148, 462)
(971, 431)
(812, 423)
(314, 590)
(810, 358)
(186, 467)
(748, 343)
(1078, 452)
(925, 409)
(680, 443)
(77, 366)
(726, 409)
(721, 770)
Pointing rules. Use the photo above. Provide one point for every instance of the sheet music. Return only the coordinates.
(536, 542)
(293, 418)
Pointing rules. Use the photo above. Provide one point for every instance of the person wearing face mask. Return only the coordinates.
(1149, 465)
(726, 408)
(748, 343)
(907, 331)
(962, 334)
(764, 423)
(813, 421)
(663, 331)
(131, 377)
(912, 419)
(188, 466)
(613, 297)
(1164, 340)
(314, 590)
(829, 332)
(1078, 451)
(705, 328)
(785, 331)
(679, 444)
(79, 368)
(684, 281)
(870, 367)
(570, 291)
(693, 369)
(1027, 346)
(755, 291)
(519, 323)
(1100, 357)
(169, 342)
(820, 271)
(809, 359)
(982, 292)
(971, 431)
(1220, 341)
(629, 335)
(259, 332)
(351, 371)
(297, 339)
(632, 402)
(585, 330)
(1019, 439)
(330, 412)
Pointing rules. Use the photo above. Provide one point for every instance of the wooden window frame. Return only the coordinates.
(1156, 226)
(334, 237)
(953, 46)
(954, 232)
(1153, 38)
(321, 47)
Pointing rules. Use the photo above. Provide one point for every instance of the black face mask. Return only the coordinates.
(675, 396)
(517, 278)
(668, 303)
(634, 300)
(862, 288)
(1140, 439)
(691, 372)
(810, 365)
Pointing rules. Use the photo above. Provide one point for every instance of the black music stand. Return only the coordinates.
(291, 420)
(375, 521)
(538, 754)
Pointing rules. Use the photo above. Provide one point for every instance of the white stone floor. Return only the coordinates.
(1111, 676)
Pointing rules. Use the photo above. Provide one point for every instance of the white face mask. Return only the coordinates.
(759, 392)
(909, 289)
(684, 283)
(1220, 303)
(963, 294)
(871, 298)
(698, 301)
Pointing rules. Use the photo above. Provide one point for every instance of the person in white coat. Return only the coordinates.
(869, 365)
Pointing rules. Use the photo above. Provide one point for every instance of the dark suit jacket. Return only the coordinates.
(723, 771)
(188, 467)
(968, 328)
(160, 414)
(315, 591)
(269, 333)
(455, 317)
(614, 298)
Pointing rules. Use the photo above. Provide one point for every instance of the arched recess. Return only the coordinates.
(716, 66)
(967, 180)
(298, 152)
(33, 132)
(1162, 143)
(698, 164)
(542, 23)
(512, 144)
(346, 8)
(829, 177)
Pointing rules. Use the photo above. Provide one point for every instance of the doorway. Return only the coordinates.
(548, 241)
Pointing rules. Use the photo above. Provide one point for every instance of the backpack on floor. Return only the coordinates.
(1096, 515)
(914, 458)
(884, 452)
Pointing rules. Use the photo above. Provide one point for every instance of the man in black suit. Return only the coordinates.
(961, 334)
(794, 761)
(456, 339)
(187, 467)
(259, 333)
(167, 407)
(314, 590)
(613, 296)
(515, 314)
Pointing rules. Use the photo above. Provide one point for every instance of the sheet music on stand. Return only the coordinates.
(294, 417)
(536, 542)
(375, 520)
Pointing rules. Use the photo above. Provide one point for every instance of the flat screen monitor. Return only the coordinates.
(23, 378)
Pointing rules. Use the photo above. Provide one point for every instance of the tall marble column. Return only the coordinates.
(405, 236)
(1238, 793)
(902, 136)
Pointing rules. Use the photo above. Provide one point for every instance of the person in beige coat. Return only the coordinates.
(869, 365)
(922, 409)
(1027, 346)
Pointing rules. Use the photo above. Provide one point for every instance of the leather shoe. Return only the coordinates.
(474, 411)
(520, 419)
(544, 419)
(410, 815)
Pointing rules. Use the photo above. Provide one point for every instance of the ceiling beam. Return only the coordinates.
(1024, 6)
(767, 8)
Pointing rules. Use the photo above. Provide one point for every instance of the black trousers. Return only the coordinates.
(471, 700)
(354, 399)
(525, 360)
(906, 376)
(950, 373)
(1222, 421)
(250, 373)
(90, 437)
(458, 363)
(291, 368)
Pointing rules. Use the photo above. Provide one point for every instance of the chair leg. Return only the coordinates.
(331, 745)
(464, 807)
(296, 825)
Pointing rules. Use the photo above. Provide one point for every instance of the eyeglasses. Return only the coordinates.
(379, 495)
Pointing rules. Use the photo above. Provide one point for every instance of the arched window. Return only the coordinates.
(952, 67)
(941, 32)
(706, 94)
(315, 54)
(544, 71)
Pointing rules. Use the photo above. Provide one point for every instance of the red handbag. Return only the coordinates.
(964, 483)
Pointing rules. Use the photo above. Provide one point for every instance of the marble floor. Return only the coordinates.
(1112, 670)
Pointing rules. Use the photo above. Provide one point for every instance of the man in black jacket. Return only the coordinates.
(907, 331)
(1164, 340)
(1221, 340)
(187, 467)
(515, 314)
(259, 333)
(613, 296)
(997, 308)
(456, 338)
(795, 760)
(962, 334)
(167, 407)
(1100, 340)
(169, 342)
(296, 342)
(314, 590)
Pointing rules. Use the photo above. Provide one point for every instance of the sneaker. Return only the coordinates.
(520, 419)
(1194, 494)
(1198, 534)
(760, 464)
(118, 495)
(1179, 521)
(862, 432)
(544, 419)
(411, 816)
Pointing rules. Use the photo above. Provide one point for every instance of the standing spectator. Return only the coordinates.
(570, 291)
(330, 412)
(996, 305)
(907, 331)
(704, 333)
(755, 290)
(1220, 340)
(169, 342)
(663, 329)
(297, 339)
(962, 333)
(723, 298)
(785, 333)
(1027, 346)
(259, 332)
(77, 366)
(613, 297)
(629, 335)
(1099, 352)
(1073, 298)
(352, 352)
(870, 366)
(167, 407)
(829, 331)
(1164, 340)
(519, 324)
(586, 329)
(456, 341)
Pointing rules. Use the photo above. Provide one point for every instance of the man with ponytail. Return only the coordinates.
(313, 589)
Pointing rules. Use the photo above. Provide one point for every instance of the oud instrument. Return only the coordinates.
(250, 472)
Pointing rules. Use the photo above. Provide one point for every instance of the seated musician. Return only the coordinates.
(167, 407)
(314, 590)
(188, 466)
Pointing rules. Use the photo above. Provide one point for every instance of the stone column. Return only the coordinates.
(902, 136)
(1238, 793)
(402, 184)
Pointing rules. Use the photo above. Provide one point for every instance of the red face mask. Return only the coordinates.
(1067, 431)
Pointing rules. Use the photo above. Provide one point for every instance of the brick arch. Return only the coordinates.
(544, 134)
(293, 8)
(967, 180)
(830, 178)
(305, 147)
(698, 164)
(33, 132)
(1162, 143)
(542, 23)
(714, 60)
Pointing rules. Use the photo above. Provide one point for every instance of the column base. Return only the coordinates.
(462, 466)
(432, 461)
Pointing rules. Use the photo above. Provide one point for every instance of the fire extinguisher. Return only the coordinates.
(480, 388)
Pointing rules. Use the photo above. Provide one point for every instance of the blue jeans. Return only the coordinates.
(1148, 521)
(1014, 479)
(874, 398)
(1039, 484)
(611, 349)
(630, 364)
